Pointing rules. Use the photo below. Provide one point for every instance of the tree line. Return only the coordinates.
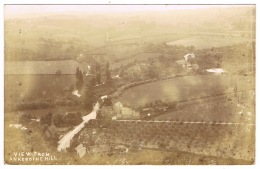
(97, 74)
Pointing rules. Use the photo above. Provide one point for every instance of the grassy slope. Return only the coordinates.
(88, 32)
(32, 87)
(183, 88)
(22, 141)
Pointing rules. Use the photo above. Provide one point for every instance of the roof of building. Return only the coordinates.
(181, 62)
(119, 104)
(188, 56)
(126, 111)
(81, 150)
(52, 129)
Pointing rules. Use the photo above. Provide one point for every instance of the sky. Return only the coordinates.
(19, 10)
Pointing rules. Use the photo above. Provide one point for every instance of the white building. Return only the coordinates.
(125, 112)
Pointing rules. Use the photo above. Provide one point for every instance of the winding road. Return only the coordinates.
(64, 142)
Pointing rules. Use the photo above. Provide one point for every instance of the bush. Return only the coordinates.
(71, 119)
(25, 118)
(47, 119)
(33, 105)
(60, 102)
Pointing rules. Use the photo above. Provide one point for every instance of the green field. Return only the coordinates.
(17, 140)
(67, 67)
(66, 36)
(209, 41)
(185, 88)
(216, 110)
(33, 87)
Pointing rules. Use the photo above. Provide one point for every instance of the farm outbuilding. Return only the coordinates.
(125, 112)
(81, 150)
(189, 56)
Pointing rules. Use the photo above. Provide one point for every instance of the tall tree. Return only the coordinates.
(98, 78)
(97, 67)
(77, 72)
(108, 73)
(79, 79)
(88, 96)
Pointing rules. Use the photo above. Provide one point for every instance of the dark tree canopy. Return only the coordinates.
(108, 73)
(79, 79)
(88, 98)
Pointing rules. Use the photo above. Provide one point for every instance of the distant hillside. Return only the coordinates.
(66, 36)
(43, 67)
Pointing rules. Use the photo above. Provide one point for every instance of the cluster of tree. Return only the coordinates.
(156, 103)
(161, 62)
(107, 102)
(88, 97)
(26, 118)
(47, 119)
(99, 73)
(86, 88)
(64, 102)
(70, 119)
(45, 103)
(103, 116)
(152, 72)
(32, 105)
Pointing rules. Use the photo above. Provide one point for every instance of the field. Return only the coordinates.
(220, 141)
(67, 67)
(209, 41)
(175, 134)
(215, 110)
(33, 87)
(184, 88)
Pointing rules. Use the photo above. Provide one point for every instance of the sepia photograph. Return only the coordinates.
(129, 84)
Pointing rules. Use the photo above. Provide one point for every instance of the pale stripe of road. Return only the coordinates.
(191, 122)
(64, 142)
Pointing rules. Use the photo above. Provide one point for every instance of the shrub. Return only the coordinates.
(71, 119)
(25, 118)
(47, 119)
(32, 105)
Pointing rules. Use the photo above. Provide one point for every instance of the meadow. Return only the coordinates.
(19, 88)
(210, 41)
(184, 88)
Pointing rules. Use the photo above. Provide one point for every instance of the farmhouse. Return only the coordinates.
(188, 63)
(125, 112)
(189, 56)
